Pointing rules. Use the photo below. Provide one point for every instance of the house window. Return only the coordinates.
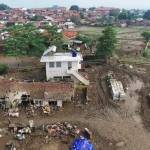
(58, 64)
(51, 64)
(69, 65)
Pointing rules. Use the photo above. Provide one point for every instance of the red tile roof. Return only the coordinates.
(70, 34)
(38, 90)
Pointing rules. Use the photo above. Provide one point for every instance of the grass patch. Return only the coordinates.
(3, 69)
(95, 32)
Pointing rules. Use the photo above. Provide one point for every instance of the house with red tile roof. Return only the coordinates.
(70, 34)
(57, 92)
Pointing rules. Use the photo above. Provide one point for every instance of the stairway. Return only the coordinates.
(78, 76)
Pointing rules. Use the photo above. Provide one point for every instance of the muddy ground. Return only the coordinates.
(115, 125)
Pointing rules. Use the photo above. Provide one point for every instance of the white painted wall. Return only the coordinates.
(62, 71)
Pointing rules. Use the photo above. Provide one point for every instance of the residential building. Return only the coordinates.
(63, 64)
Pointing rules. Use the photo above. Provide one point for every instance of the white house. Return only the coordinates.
(62, 64)
(69, 25)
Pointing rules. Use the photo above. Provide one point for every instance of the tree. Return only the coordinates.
(81, 15)
(106, 20)
(75, 19)
(27, 40)
(106, 43)
(53, 37)
(115, 13)
(4, 7)
(37, 18)
(127, 15)
(146, 35)
(123, 15)
(85, 39)
(74, 7)
(92, 8)
(147, 15)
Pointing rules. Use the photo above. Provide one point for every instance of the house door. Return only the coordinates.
(69, 65)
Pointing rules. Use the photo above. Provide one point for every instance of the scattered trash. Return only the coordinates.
(10, 146)
(59, 130)
(26, 130)
(46, 109)
(20, 136)
(130, 66)
(13, 113)
(31, 123)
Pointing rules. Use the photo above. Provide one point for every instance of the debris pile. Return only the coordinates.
(116, 87)
(13, 112)
(61, 130)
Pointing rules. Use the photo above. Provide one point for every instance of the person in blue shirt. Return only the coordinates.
(83, 142)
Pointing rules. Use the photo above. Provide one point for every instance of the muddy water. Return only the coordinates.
(132, 103)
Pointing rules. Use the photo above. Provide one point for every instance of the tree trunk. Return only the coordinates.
(147, 44)
(107, 59)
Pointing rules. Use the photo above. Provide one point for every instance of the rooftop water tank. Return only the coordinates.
(74, 53)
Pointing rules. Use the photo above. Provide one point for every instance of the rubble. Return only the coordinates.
(13, 112)
(58, 130)
(31, 123)
(11, 146)
(20, 136)
(62, 129)
(116, 86)
(46, 109)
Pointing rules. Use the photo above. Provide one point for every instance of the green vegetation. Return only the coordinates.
(4, 7)
(28, 40)
(75, 19)
(85, 39)
(115, 13)
(146, 35)
(74, 7)
(126, 15)
(92, 8)
(147, 15)
(106, 20)
(107, 42)
(3, 69)
(95, 32)
(37, 18)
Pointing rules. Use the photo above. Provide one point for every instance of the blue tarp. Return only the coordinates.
(82, 144)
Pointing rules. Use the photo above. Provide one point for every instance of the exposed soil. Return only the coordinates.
(110, 122)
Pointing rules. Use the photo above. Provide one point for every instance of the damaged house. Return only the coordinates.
(19, 93)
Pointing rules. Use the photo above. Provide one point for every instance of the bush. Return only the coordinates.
(146, 54)
(3, 69)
